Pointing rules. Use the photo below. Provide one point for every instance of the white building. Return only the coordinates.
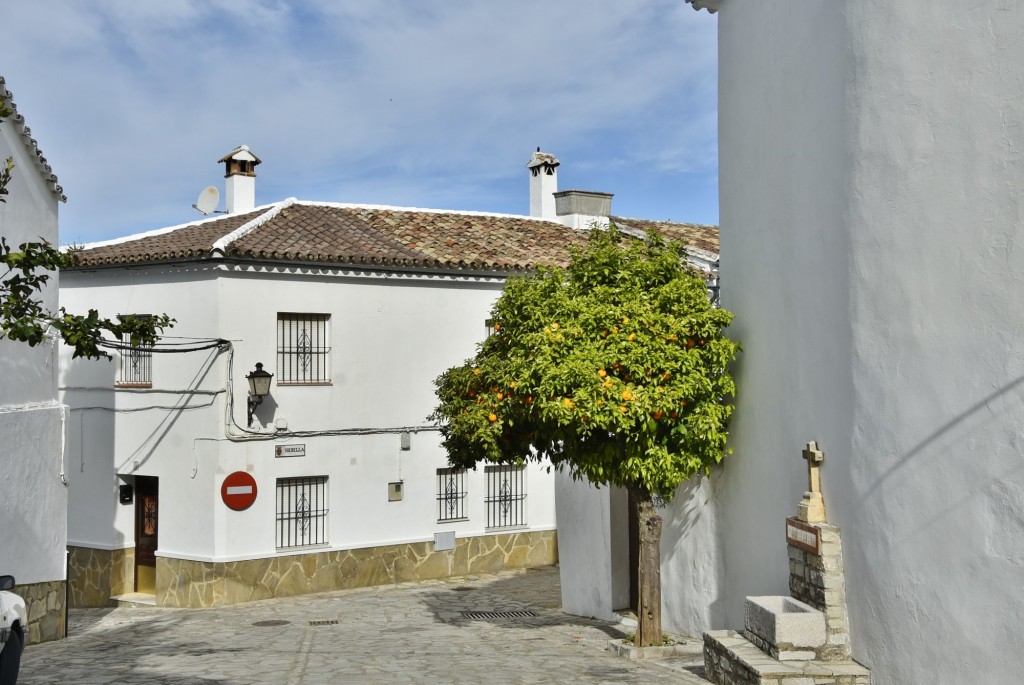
(33, 497)
(355, 310)
(871, 201)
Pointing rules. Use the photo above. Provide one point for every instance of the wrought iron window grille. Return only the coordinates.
(303, 349)
(301, 512)
(506, 496)
(451, 494)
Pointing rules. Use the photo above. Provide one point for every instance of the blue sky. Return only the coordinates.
(400, 102)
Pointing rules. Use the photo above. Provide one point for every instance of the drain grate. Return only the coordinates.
(484, 615)
(272, 622)
(462, 588)
(329, 622)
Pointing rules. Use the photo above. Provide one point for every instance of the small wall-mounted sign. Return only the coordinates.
(289, 450)
(803, 536)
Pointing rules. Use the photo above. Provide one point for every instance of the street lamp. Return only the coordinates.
(259, 387)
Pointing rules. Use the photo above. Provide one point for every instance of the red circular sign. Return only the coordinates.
(238, 490)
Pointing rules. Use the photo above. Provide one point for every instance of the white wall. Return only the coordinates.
(871, 207)
(391, 336)
(593, 547)
(164, 431)
(32, 498)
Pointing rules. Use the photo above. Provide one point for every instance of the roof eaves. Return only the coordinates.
(42, 166)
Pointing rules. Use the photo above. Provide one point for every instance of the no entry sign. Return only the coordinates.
(238, 490)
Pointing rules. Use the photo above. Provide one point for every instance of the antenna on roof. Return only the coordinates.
(208, 201)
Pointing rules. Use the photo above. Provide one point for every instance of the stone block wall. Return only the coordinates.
(819, 580)
(95, 576)
(195, 584)
(730, 659)
(45, 604)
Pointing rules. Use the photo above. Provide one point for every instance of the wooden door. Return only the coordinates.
(147, 527)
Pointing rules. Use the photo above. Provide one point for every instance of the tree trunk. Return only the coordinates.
(648, 613)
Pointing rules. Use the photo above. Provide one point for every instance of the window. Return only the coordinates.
(505, 496)
(135, 366)
(303, 348)
(451, 494)
(301, 512)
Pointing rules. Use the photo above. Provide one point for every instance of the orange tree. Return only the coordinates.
(614, 368)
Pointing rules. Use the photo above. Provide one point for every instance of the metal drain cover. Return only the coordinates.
(329, 622)
(462, 588)
(272, 622)
(484, 615)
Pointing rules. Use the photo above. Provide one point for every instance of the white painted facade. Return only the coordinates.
(871, 204)
(391, 334)
(33, 498)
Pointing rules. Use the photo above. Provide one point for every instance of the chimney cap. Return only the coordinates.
(241, 153)
(542, 159)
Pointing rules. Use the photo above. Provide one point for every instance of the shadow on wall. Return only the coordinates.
(691, 554)
(190, 399)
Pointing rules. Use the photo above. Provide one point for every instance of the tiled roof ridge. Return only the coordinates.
(42, 166)
(660, 221)
(421, 210)
(221, 244)
(156, 231)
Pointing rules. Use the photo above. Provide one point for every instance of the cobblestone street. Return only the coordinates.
(411, 633)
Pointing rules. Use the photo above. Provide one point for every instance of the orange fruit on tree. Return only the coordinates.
(632, 337)
(602, 373)
(623, 409)
(657, 415)
(492, 417)
(627, 394)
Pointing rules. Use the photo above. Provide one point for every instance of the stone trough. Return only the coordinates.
(784, 628)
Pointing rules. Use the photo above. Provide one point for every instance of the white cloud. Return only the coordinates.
(396, 101)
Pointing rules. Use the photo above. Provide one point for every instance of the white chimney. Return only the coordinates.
(583, 209)
(240, 186)
(543, 184)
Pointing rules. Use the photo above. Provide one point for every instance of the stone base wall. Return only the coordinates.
(819, 580)
(45, 605)
(730, 659)
(97, 575)
(195, 584)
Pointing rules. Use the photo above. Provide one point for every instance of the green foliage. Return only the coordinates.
(24, 318)
(615, 368)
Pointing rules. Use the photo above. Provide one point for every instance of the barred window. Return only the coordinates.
(135, 363)
(506, 493)
(451, 494)
(301, 512)
(303, 348)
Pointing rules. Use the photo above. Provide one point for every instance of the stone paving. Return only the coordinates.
(406, 633)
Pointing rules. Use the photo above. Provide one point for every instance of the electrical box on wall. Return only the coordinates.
(405, 440)
(125, 493)
(395, 491)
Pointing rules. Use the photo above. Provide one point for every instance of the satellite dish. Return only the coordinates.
(208, 200)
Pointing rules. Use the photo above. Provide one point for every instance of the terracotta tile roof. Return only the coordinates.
(361, 236)
(698, 236)
(18, 122)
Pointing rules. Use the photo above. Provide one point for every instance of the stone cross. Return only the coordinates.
(812, 508)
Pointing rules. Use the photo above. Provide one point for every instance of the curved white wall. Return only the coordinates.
(871, 205)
